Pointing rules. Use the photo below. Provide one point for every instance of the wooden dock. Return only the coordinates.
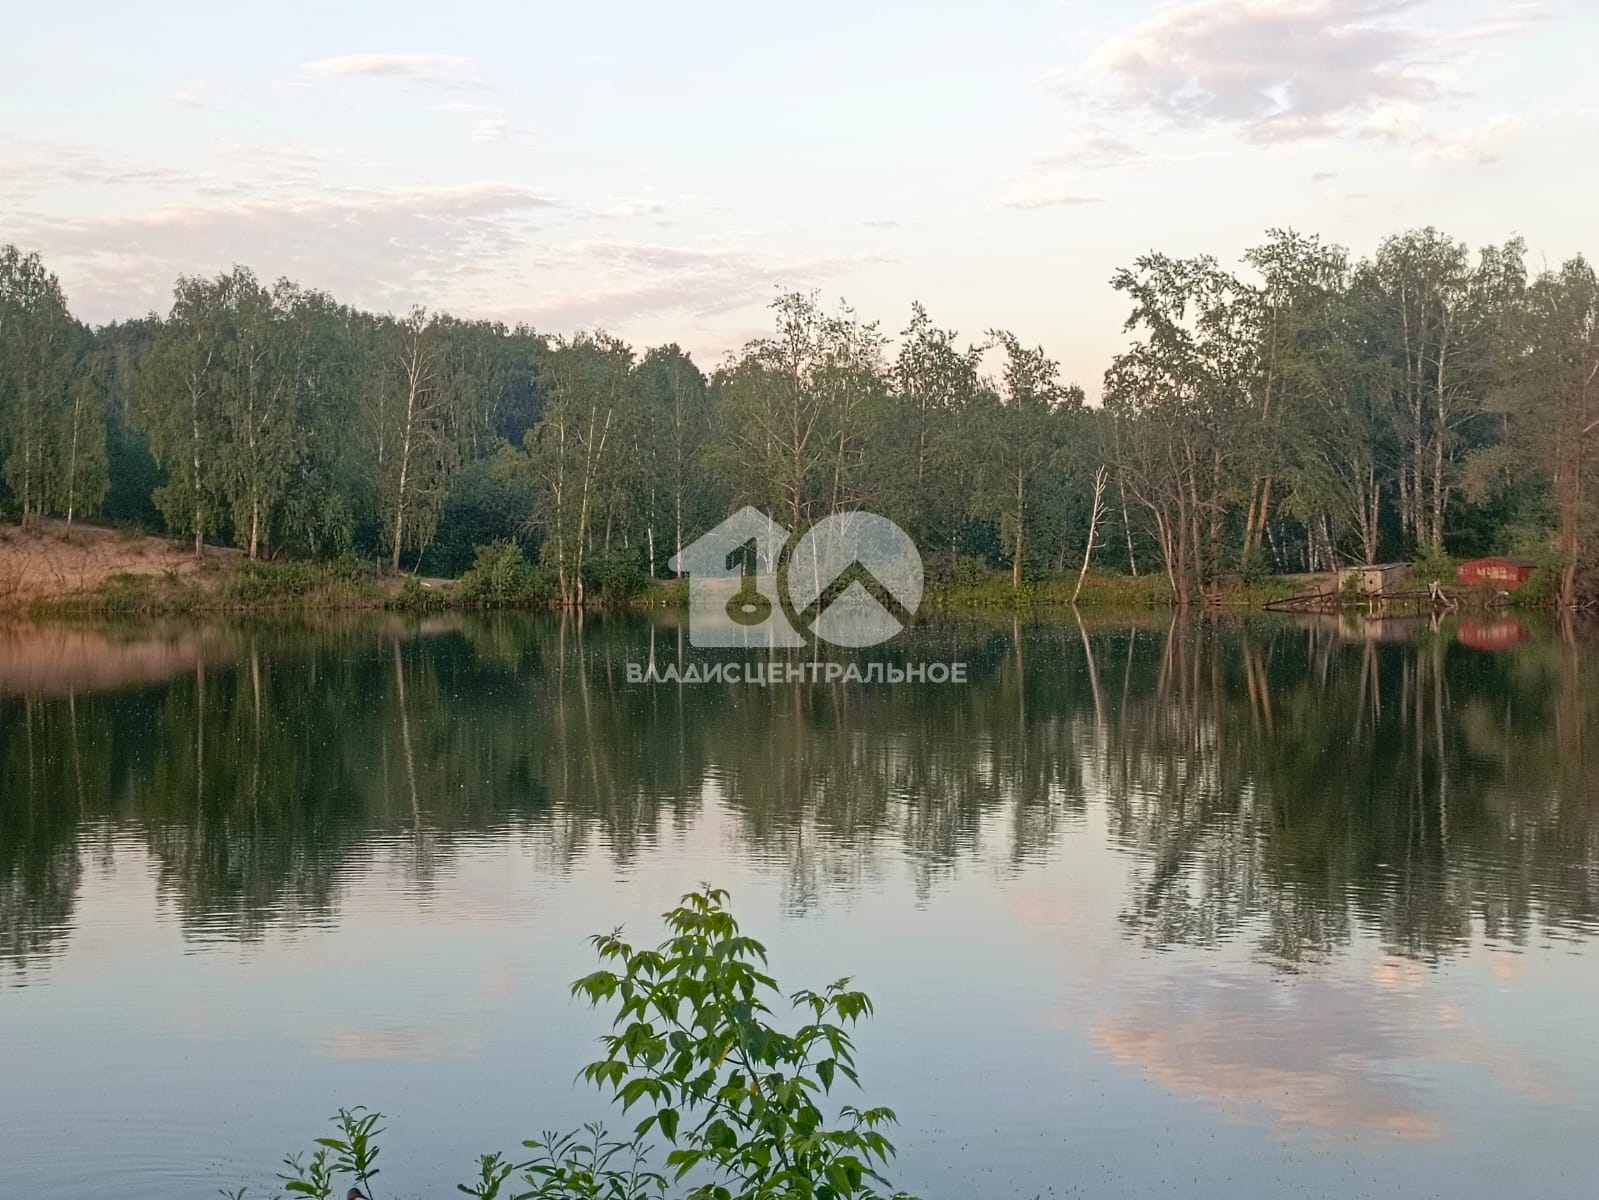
(1376, 604)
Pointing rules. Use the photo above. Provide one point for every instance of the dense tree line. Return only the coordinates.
(1301, 410)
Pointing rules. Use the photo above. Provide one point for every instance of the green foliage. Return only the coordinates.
(1283, 414)
(1435, 566)
(616, 578)
(38, 347)
(133, 595)
(343, 583)
(488, 502)
(586, 1165)
(736, 1097)
(416, 597)
(352, 1155)
(501, 577)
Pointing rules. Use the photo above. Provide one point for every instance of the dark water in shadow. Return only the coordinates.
(1197, 908)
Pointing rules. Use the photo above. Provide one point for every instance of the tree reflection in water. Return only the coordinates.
(1289, 783)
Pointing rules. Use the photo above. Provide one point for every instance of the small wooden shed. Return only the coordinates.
(1374, 578)
(1504, 572)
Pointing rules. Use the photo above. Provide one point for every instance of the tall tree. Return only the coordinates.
(83, 478)
(1441, 316)
(1023, 431)
(919, 453)
(588, 382)
(37, 350)
(263, 429)
(1550, 403)
(1289, 316)
(675, 428)
(1178, 394)
(179, 407)
(412, 399)
(794, 410)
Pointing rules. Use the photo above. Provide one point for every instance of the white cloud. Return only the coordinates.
(1289, 70)
(382, 247)
(190, 96)
(1025, 195)
(1476, 146)
(491, 130)
(634, 279)
(627, 208)
(38, 169)
(445, 71)
(1393, 123)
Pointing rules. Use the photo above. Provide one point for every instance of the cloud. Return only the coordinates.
(36, 168)
(445, 71)
(1288, 70)
(53, 176)
(633, 279)
(1317, 1057)
(491, 130)
(1474, 147)
(192, 96)
(490, 127)
(1393, 123)
(383, 247)
(1024, 196)
(627, 208)
(1093, 145)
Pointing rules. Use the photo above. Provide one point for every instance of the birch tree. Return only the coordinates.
(676, 428)
(1551, 405)
(83, 477)
(589, 384)
(1021, 439)
(412, 421)
(179, 409)
(263, 430)
(37, 344)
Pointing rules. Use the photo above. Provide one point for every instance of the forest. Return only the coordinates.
(1294, 411)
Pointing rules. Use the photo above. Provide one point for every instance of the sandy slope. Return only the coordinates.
(55, 561)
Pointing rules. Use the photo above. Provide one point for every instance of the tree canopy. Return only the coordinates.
(1290, 412)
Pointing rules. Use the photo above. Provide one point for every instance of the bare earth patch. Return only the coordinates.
(54, 562)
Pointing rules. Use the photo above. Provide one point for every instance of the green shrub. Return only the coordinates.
(1430, 566)
(341, 583)
(166, 594)
(732, 1098)
(1542, 589)
(415, 597)
(501, 577)
(616, 578)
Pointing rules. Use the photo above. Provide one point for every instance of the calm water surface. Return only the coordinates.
(1150, 908)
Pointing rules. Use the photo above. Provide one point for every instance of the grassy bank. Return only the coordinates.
(86, 571)
(1102, 590)
(234, 587)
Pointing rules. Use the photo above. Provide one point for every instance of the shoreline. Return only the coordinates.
(88, 571)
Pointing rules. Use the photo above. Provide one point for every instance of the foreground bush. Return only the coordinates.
(501, 577)
(733, 1101)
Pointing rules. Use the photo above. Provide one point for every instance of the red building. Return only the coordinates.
(1503, 572)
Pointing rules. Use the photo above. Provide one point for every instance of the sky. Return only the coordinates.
(664, 171)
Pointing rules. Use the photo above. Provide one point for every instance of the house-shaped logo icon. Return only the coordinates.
(732, 592)
(854, 579)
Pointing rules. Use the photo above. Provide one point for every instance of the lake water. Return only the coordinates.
(1149, 907)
